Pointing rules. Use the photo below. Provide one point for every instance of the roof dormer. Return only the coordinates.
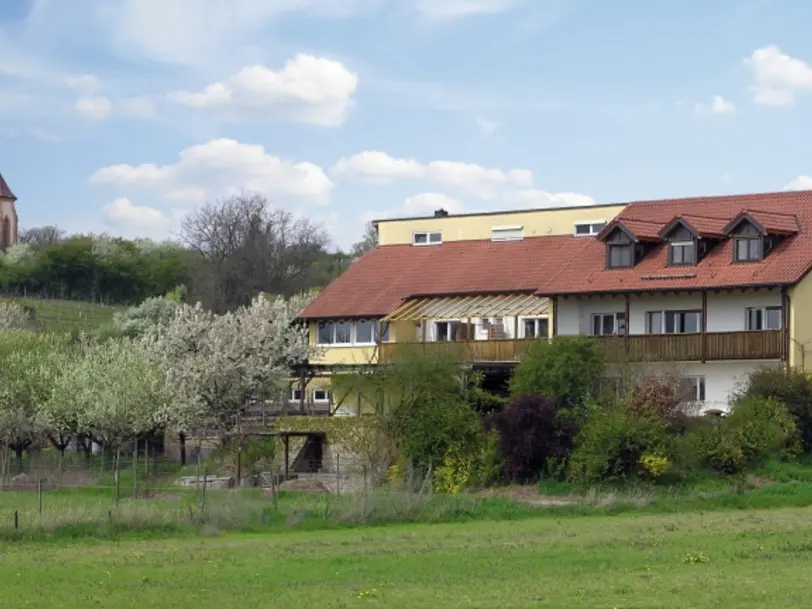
(756, 233)
(627, 241)
(690, 238)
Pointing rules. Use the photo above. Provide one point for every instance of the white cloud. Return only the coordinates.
(94, 108)
(722, 106)
(470, 178)
(535, 198)
(309, 89)
(136, 219)
(85, 84)
(379, 167)
(189, 194)
(800, 183)
(718, 105)
(429, 202)
(44, 135)
(198, 32)
(137, 107)
(445, 9)
(777, 76)
(221, 167)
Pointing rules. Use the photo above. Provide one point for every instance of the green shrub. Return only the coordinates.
(756, 430)
(567, 370)
(792, 388)
(611, 444)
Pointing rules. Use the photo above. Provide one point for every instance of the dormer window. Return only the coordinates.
(748, 249)
(620, 256)
(682, 252)
(748, 243)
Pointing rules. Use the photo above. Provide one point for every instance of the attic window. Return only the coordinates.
(620, 256)
(682, 252)
(584, 229)
(427, 238)
(507, 233)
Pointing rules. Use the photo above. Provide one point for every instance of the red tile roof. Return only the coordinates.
(703, 226)
(641, 230)
(5, 191)
(772, 222)
(786, 264)
(374, 285)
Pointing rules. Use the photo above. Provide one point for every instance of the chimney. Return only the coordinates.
(440, 213)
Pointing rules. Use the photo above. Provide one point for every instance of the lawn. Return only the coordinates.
(67, 315)
(723, 559)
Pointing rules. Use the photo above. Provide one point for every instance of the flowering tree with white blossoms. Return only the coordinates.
(29, 365)
(215, 364)
(115, 392)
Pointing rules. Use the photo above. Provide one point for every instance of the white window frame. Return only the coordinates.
(353, 333)
(764, 318)
(536, 321)
(507, 233)
(429, 234)
(615, 323)
(374, 332)
(663, 313)
(328, 396)
(700, 387)
(595, 226)
(295, 394)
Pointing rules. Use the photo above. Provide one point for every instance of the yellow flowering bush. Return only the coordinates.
(454, 474)
(654, 465)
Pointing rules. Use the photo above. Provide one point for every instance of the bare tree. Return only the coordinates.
(42, 235)
(246, 247)
(368, 241)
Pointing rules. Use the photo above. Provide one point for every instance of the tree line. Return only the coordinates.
(226, 253)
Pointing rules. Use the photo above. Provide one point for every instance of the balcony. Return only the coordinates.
(711, 346)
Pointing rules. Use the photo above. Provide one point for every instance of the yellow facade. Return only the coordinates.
(341, 355)
(800, 324)
(535, 223)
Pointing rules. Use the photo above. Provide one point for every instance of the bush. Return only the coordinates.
(756, 430)
(793, 389)
(611, 445)
(533, 437)
(567, 370)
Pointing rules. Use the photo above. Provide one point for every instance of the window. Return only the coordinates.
(361, 332)
(446, 330)
(583, 229)
(620, 256)
(343, 333)
(325, 333)
(507, 233)
(537, 328)
(748, 249)
(768, 318)
(682, 252)
(606, 324)
(365, 331)
(321, 395)
(693, 388)
(385, 332)
(296, 395)
(673, 322)
(427, 238)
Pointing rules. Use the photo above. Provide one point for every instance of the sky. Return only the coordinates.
(122, 116)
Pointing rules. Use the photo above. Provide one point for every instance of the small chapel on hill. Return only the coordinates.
(8, 216)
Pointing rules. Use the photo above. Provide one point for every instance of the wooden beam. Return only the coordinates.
(555, 317)
(703, 326)
(785, 310)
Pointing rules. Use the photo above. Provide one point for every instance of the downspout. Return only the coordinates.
(785, 308)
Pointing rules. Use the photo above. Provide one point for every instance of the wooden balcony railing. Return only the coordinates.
(711, 346)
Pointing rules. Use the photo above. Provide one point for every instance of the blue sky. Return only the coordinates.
(120, 116)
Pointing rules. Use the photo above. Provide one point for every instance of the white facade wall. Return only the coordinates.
(725, 313)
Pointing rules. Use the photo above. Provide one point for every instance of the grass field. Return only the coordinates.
(67, 315)
(723, 559)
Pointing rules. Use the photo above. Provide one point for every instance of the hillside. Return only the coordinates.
(67, 315)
